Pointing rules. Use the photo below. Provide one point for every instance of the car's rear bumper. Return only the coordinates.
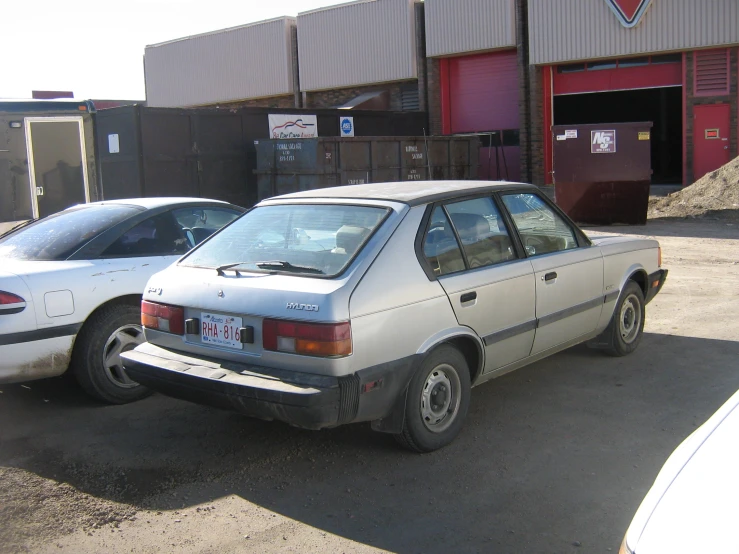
(656, 282)
(301, 399)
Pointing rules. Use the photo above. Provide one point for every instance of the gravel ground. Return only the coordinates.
(555, 457)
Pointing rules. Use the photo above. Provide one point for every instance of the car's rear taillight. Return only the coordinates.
(11, 303)
(162, 317)
(10, 298)
(309, 339)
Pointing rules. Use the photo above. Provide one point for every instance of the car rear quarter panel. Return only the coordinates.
(396, 311)
(623, 258)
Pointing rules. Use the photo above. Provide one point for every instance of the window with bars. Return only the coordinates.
(711, 72)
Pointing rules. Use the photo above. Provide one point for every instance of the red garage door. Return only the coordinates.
(483, 92)
(480, 94)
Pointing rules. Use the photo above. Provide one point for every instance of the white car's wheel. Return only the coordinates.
(96, 360)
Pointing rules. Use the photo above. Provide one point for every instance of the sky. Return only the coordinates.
(95, 48)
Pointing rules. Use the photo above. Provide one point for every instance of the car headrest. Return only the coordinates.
(471, 225)
(349, 237)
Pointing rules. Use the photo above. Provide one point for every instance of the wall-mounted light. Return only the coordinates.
(16, 124)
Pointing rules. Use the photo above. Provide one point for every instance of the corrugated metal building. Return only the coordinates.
(345, 48)
(243, 63)
(508, 70)
(671, 62)
(473, 77)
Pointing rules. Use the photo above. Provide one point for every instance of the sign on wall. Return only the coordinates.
(346, 124)
(603, 142)
(292, 126)
(629, 12)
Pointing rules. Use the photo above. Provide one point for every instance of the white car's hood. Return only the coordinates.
(693, 505)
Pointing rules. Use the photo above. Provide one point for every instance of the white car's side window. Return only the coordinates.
(156, 236)
(541, 229)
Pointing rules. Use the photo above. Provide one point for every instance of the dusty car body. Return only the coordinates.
(691, 505)
(71, 284)
(386, 303)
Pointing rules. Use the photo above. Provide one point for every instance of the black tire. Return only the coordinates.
(627, 324)
(106, 332)
(443, 374)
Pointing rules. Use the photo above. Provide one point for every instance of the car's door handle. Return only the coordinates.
(468, 297)
(550, 276)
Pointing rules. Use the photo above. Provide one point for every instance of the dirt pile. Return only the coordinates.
(715, 195)
(35, 509)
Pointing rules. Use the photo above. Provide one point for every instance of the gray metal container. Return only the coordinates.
(285, 166)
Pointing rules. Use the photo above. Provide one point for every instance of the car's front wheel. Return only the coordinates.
(96, 360)
(627, 324)
(437, 401)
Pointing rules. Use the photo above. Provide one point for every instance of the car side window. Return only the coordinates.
(482, 231)
(202, 222)
(542, 230)
(441, 247)
(156, 236)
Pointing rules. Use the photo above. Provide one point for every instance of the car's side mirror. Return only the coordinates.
(530, 250)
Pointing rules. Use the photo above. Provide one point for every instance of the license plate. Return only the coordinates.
(221, 330)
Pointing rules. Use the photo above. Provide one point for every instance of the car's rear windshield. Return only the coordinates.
(59, 236)
(302, 239)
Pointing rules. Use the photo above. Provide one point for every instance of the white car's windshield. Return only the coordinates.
(315, 239)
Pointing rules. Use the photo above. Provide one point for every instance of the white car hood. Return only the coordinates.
(698, 510)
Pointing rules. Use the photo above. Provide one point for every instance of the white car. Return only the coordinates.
(71, 286)
(691, 506)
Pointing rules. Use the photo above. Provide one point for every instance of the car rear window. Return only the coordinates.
(60, 235)
(306, 239)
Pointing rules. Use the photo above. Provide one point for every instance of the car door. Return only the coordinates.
(489, 283)
(568, 271)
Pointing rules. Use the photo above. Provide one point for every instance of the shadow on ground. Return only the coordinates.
(558, 452)
(715, 225)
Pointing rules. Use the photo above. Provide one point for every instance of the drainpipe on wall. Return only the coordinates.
(524, 72)
(420, 21)
(295, 67)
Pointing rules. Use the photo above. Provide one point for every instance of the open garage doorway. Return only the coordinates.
(662, 106)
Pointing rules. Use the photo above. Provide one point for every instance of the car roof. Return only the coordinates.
(157, 202)
(407, 192)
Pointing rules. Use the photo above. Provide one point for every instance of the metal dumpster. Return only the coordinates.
(602, 172)
(285, 166)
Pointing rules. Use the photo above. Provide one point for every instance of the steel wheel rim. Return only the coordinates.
(440, 398)
(629, 321)
(122, 340)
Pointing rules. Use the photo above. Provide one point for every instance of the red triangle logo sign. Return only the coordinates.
(629, 12)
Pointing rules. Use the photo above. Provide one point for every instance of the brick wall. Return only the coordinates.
(433, 90)
(337, 97)
(692, 101)
(271, 102)
(534, 136)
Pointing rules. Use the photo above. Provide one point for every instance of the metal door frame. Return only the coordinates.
(29, 150)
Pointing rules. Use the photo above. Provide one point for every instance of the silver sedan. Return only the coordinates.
(386, 303)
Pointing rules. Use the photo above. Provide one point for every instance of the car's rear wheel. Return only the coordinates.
(627, 324)
(96, 360)
(437, 401)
